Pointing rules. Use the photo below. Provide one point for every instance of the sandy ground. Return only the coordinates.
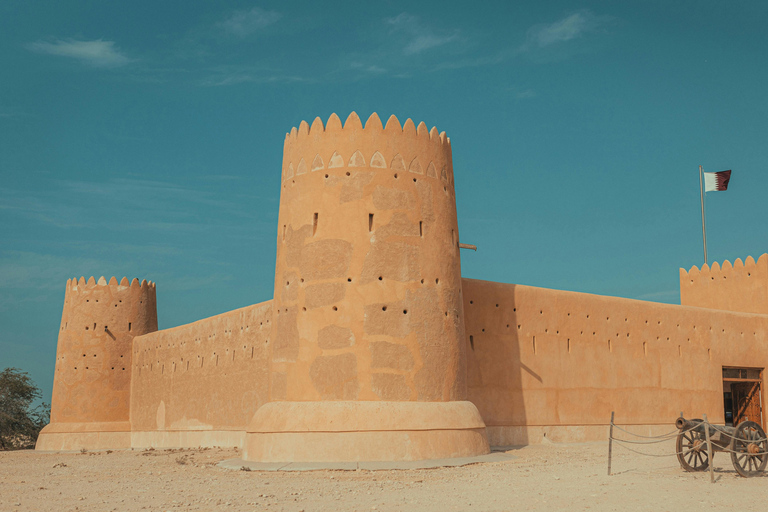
(543, 477)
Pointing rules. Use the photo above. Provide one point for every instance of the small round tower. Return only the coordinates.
(367, 352)
(90, 405)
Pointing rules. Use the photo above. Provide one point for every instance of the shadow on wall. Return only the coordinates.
(495, 371)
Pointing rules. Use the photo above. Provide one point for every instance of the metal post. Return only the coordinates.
(709, 450)
(610, 444)
(703, 216)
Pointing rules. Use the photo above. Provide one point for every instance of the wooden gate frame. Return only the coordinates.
(758, 380)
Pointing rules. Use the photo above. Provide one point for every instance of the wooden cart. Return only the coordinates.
(746, 443)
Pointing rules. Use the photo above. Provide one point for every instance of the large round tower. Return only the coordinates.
(367, 353)
(90, 405)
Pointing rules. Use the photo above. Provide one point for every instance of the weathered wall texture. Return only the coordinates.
(92, 382)
(539, 357)
(741, 287)
(368, 279)
(200, 383)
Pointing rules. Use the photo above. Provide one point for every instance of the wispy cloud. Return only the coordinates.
(246, 22)
(664, 295)
(563, 30)
(418, 37)
(233, 75)
(98, 53)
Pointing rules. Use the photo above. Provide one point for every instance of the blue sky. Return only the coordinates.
(144, 139)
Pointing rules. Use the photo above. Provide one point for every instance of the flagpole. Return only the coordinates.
(703, 217)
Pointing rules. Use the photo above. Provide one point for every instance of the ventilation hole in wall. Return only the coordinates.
(83, 355)
(569, 314)
(422, 281)
(437, 281)
(380, 278)
(471, 302)
(569, 345)
(519, 326)
(87, 368)
(558, 332)
(349, 279)
(541, 312)
(94, 326)
(546, 330)
(123, 369)
(115, 305)
(445, 189)
(749, 274)
(507, 326)
(414, 180)
(370, 222)
(94, 355)
(97, 300)
(129, 326)
(87, 300)
(304, 309)
(113, 367)
(534, 344)
(405, 312)
(446, 313)
(645, 348)
(106, 329)
(483, 329)
(471, 342)
(301, 280)
(75, 367)
(86, 327)
(421, 228)
(314, 224)
(384, 308)
(395, 175)
(335, 308)
(514, 309)
(65, 325)
(348, 173)
(497, 305)
(587, 316)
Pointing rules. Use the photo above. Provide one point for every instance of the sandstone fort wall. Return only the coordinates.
(199, 384)
(549, 362)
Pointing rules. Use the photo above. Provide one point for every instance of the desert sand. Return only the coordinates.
(542, 477)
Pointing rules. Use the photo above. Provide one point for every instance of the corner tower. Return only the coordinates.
(90, 405)
(368, 352)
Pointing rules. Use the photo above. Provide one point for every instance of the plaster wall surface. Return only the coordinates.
(737, 287)
(199, 384)
(367, 280)
(541, 359)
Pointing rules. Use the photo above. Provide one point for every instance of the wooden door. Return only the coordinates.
(746, 402)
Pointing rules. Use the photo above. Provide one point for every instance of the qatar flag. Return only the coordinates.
(716, 181)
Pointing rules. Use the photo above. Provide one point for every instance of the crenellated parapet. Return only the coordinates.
(741, 286)
(407, 149)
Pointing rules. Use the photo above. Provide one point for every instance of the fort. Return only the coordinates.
(373, 346)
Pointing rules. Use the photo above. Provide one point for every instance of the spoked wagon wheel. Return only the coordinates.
(692, 450)
(750, 449)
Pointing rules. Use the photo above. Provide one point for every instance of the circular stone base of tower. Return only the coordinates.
(364, 431)
(85, 436)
